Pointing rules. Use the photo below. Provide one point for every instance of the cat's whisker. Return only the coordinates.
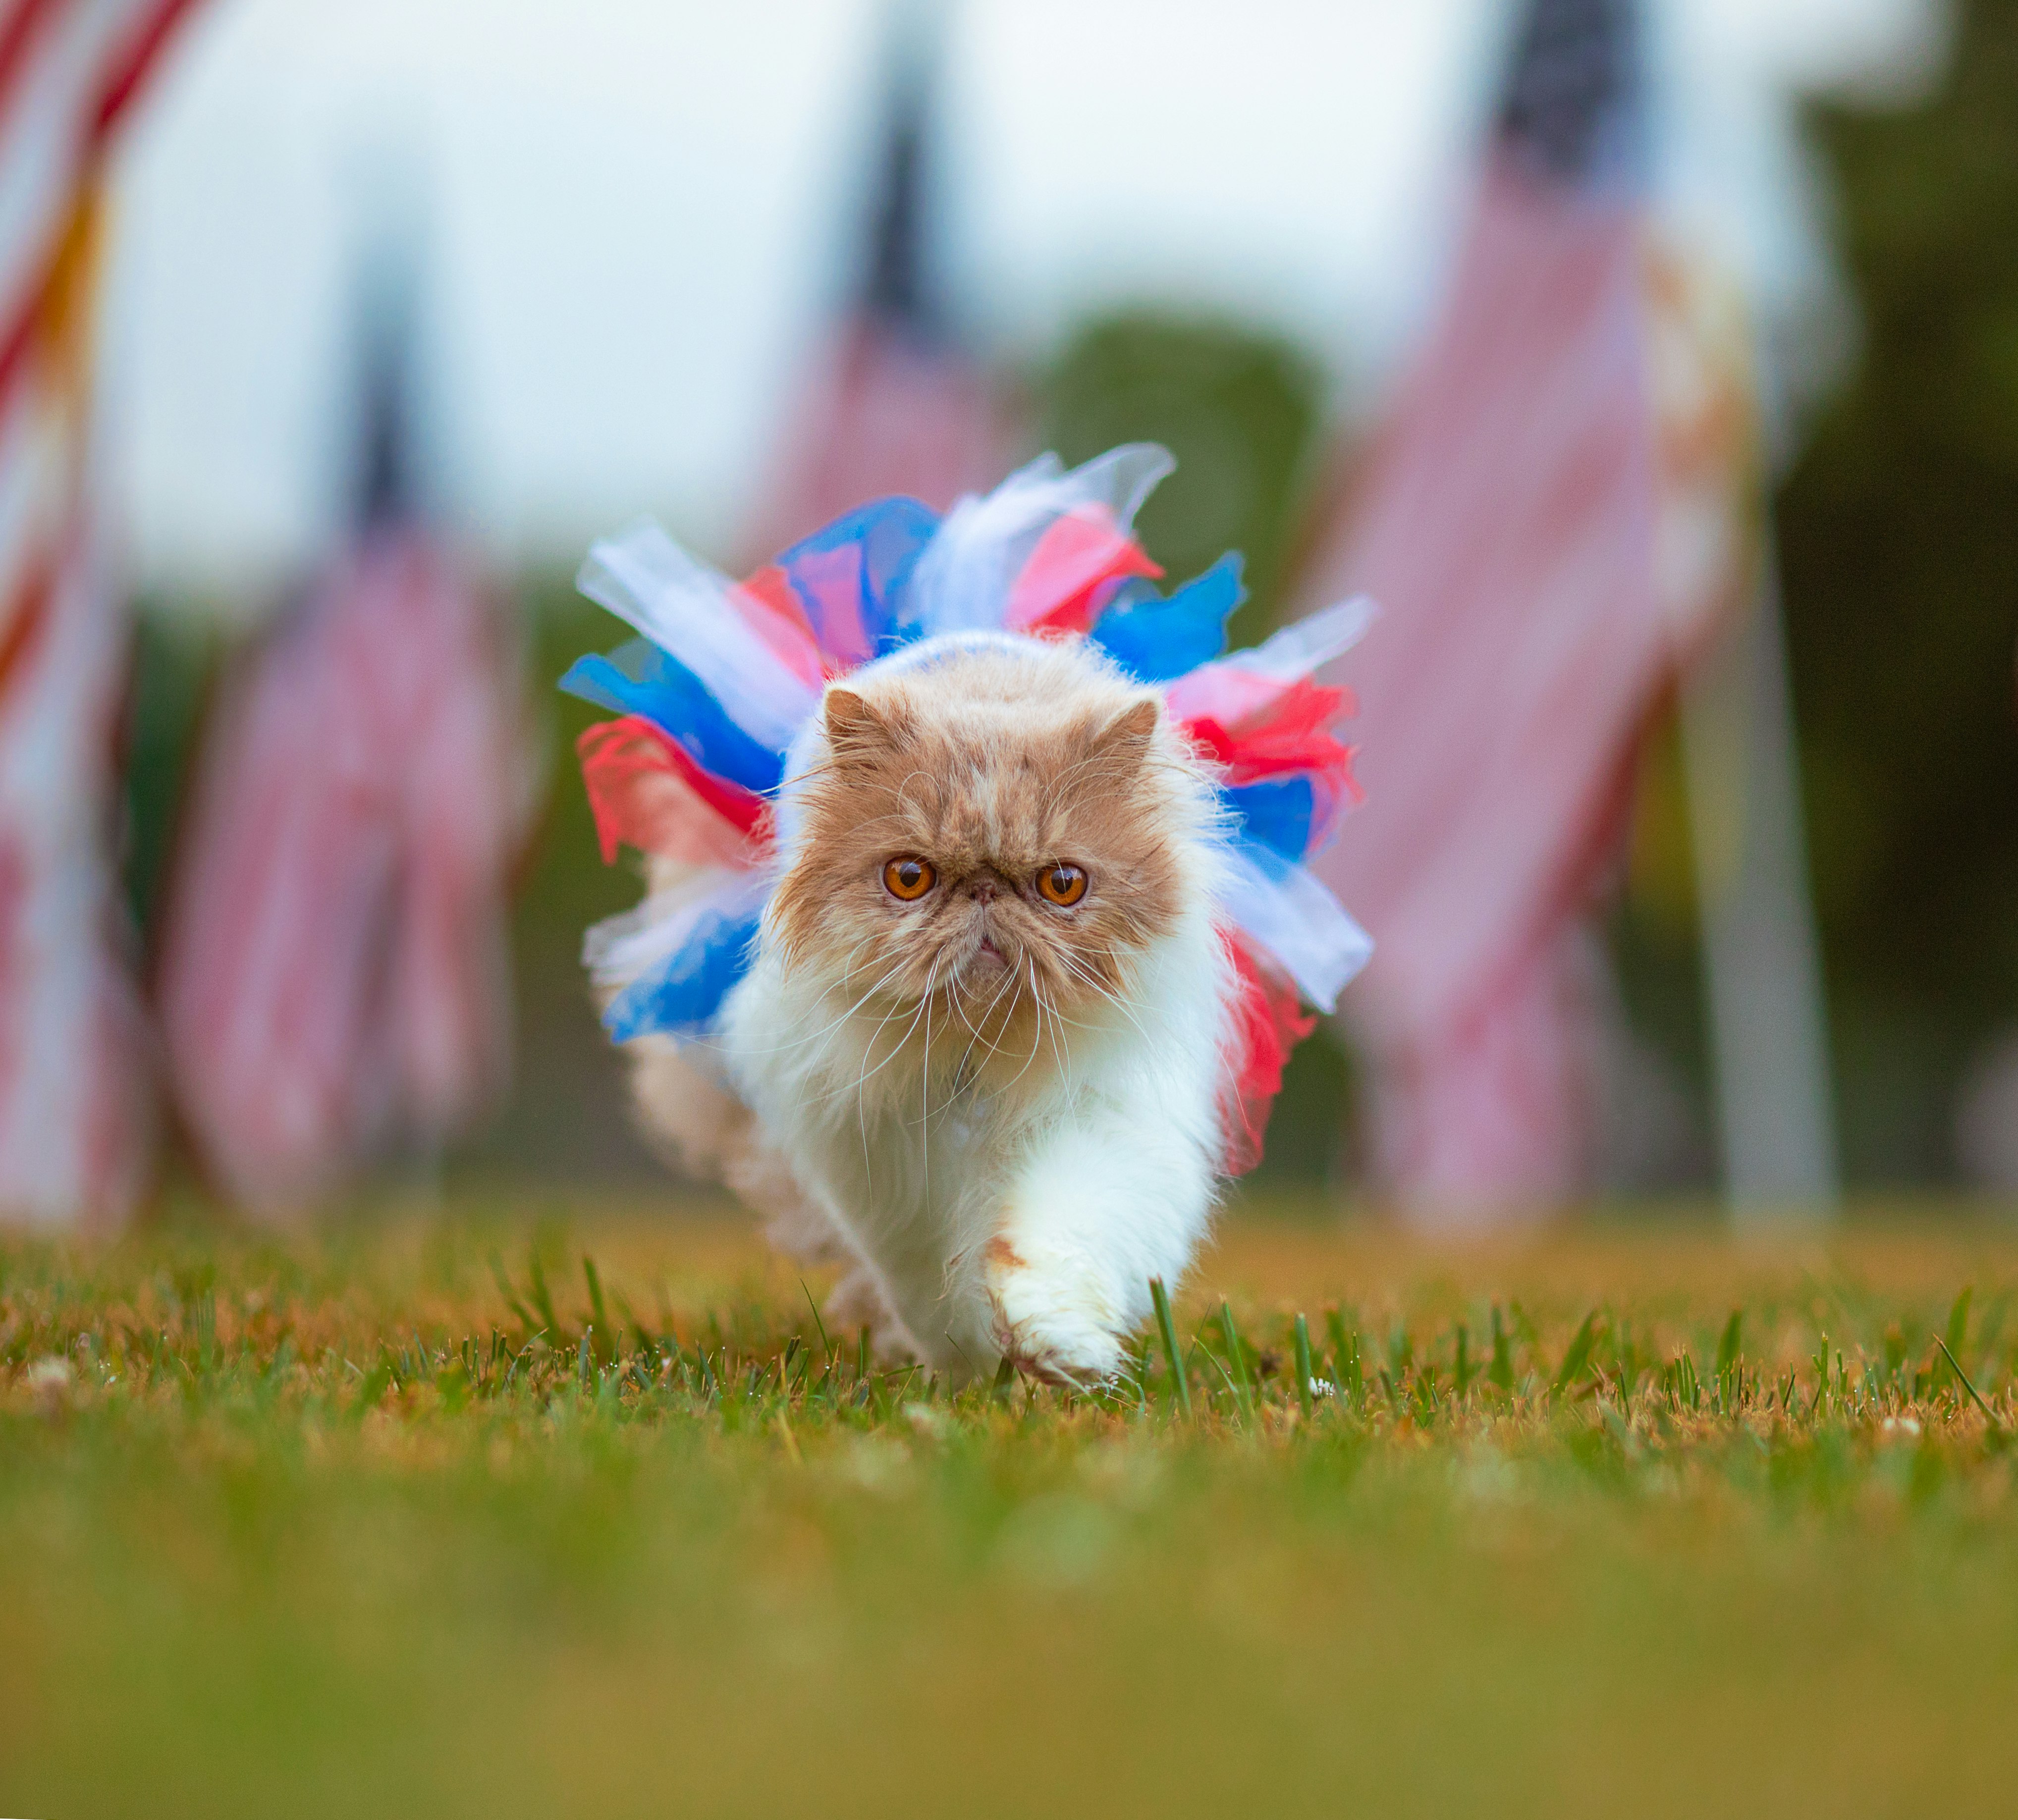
(717, 1047)
(801, 1042)
(1058, 1051)
(1007, 989)
(1036, 1032)
(861, 1101)
(923, 1008)
(994, 1046)
(1112, 997)
(1076, 1023)
(869, 1049)
(1008, 979)
(955, 998)
(960, 997)
(925, 1096)
(896, 1049)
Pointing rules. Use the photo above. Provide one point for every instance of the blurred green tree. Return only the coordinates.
(1240, 410)
(178, 650)
(1899, 536)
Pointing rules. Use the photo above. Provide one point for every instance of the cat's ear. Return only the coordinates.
(855, 727)
(1127, 739)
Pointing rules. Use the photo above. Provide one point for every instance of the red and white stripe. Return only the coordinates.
(1507, 524)
(74, 1103)
(70, 72)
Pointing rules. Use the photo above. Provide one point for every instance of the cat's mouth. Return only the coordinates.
(986, 964)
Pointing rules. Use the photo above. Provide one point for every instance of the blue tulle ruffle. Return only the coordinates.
(1158, 640)
(680, 997)
(639, 678)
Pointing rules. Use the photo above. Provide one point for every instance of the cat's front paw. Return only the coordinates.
(1050, 1320)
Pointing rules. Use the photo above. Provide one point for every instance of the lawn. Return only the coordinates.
(511, 1509)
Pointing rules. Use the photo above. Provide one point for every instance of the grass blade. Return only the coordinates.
(1500, 1372)
(1962, 1377)
(511, 1295)
(1305, 1395)
(1236, 1356)
(598, 1315)
(826, 1348)
(1166, 1328)
(1351, 1380)
(1726, 1348)
(639, 1332)
(1957, 1328)
(1577, 1356)
(543, 1303)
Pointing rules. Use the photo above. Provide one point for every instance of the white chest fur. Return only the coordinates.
(1014, 1203)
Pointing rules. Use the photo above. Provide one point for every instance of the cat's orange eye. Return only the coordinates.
(1062, 884)
(909, 879)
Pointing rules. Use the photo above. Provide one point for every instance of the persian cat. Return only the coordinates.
(954, 961)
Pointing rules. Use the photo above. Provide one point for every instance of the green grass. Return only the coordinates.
(452, 1517)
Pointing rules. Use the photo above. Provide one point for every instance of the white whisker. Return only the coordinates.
(1112, 997)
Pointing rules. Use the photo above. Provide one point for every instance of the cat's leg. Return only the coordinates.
(703, 1129)
(690, 1118)
(858, 1301)
(1100, 1202)
(859, 1163)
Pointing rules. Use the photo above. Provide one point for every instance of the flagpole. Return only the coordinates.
(1762, 973)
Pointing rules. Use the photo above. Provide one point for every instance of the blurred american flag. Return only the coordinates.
(75, 1122)
(335, 977)
(1509, 522)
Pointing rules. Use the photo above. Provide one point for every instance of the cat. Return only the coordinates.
(978, 930)
(980, 1055)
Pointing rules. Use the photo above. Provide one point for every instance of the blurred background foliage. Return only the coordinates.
(1898, 526)
(1899, 538)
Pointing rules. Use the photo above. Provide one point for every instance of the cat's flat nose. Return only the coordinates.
(982, 890)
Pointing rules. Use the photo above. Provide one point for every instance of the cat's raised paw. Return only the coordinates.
(1050, 1320)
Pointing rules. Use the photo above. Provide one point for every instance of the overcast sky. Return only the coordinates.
(637, 214)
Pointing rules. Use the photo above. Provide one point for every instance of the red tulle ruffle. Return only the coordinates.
(1269, 1021)
(645, 791)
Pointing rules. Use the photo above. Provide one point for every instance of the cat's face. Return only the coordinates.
(998, 832)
